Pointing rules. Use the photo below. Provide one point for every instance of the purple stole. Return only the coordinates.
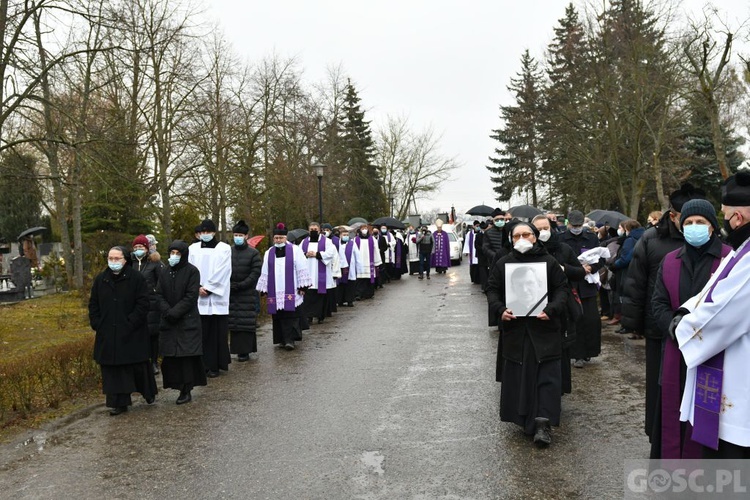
(709, 379)
(348, 249)
(321, 265)
(372, 256)
(670, 371)
(399, 246)
(289, 290)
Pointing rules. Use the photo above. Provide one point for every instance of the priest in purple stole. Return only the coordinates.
(368, 265)
(713, 332)
(683, 273)
(349, 257)
(284, 279)
(441, 252)
(320, 253)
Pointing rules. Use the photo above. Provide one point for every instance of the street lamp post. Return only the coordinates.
(319, 169)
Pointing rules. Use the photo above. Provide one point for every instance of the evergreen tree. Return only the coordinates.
(566, 131)
(21, 198)
(365, 180)
(516, 165)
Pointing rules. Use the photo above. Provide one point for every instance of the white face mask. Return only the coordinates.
(545, 234)
(620, 232)
(523, 245)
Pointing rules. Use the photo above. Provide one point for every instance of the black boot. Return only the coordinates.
(185, 397)
(542, 436)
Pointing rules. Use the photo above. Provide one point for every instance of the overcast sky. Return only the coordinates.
(444, 64)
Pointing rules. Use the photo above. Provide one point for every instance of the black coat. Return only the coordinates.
(150, 267)
(180, 331)
(243, 299)
(574, 271)
(545, 335)
(118, 307)
(695, 270)
(640, 280)
(493, 247)
(580, 243)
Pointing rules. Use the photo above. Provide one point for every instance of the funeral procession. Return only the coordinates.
(377, 251)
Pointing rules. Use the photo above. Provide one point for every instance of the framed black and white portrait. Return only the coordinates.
(526, 288)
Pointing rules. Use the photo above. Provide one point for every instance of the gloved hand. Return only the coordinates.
(170, 318)
(678, 315)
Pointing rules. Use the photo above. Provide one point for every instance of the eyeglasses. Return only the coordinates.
(525, 236)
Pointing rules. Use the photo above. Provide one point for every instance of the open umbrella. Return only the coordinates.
(609, 218)
(480, 210)
(389, 222)
(296, 234)
(525, 211)
(253, 242)
(354, 220)
(356, 226)
(31, 232)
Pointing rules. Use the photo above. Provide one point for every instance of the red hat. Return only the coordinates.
(141, 240)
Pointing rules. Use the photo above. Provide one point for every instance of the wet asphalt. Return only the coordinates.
(394, 398)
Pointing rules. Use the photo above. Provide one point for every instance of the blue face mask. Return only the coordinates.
(500, 223)
(174, 260)
(576, 230)
(206, 237)
(345, 239)
(139, 253)
(239, 240)
(696, 234)
(279, 245)
(115, 266)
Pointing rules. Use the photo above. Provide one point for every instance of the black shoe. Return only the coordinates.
(212, 374)
(320, 320)
(542, 436)
(421, 277)
(243, 357)
(118, 410)
(289, 346)
(150, 401)
(428, 276)
(185, 397)
(156, 368)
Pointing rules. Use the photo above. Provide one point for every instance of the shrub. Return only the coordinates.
(35, 382)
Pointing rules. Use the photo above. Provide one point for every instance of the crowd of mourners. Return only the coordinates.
(672, 282)
(678, 283)
(200, 307)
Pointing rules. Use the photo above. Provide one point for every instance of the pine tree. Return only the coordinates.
(369, 200)
(517, 161)
(566, 131)
(21, 200)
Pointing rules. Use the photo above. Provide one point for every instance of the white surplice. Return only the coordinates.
(301, 276)
(215, 266)
(326, 256)
(363, 266)
(712, 327)
(469, 239)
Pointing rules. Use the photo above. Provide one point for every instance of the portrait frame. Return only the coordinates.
(526, 291)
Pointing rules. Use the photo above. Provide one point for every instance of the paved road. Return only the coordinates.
(392, 399)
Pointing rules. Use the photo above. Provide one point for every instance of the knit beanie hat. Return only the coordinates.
(702, 208)
(241, 228)
(140, 240)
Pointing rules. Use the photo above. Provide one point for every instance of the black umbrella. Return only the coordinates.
(389, 222)
(31, 232)
(525, 211)
(480, 210)
(354, 220)
(609, 218)
(296, 234)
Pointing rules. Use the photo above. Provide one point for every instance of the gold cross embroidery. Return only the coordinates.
(709, 392)
(725, 404)
(697, 333)
(289, 297)
(271, 300)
